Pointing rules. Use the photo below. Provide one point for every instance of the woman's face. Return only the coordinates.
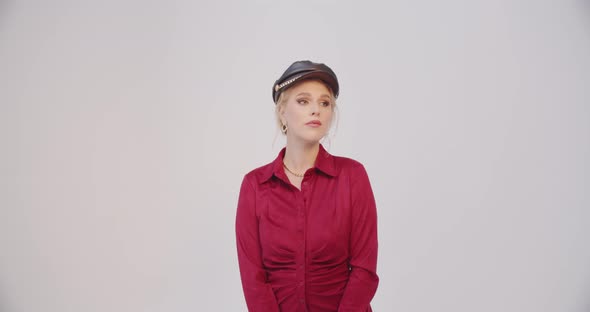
(308, 111)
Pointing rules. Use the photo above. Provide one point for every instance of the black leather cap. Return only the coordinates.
(302, 70)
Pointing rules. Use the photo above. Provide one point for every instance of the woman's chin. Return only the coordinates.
(315, 138)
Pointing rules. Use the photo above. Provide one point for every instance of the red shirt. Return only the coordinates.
(313, 249)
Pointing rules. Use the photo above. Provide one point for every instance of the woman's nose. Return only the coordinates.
(315, 108)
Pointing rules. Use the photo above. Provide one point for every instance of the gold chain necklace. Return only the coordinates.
(293, 173)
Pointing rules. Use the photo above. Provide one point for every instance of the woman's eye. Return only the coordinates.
(302, 101)
(325, 104)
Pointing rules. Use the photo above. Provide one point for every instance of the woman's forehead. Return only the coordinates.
(311, 87)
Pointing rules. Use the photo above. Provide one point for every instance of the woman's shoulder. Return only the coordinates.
(347, 165)
(346, 162)
(260, 173)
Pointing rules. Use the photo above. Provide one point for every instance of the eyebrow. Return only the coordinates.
(308, 94)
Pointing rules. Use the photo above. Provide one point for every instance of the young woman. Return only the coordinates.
(306, 223)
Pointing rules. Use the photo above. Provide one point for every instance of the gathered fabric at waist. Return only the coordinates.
(321, 286)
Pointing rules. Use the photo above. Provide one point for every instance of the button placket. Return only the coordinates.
(305, 183)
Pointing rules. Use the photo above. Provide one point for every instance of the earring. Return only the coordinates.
(284, 129)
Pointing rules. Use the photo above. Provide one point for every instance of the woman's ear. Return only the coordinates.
(281, 111)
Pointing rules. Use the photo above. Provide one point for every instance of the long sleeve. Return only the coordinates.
(258, 293)
(363, 279)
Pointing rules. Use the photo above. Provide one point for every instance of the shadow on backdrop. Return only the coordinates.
(585, 4)
(3, 302)
(5, 6)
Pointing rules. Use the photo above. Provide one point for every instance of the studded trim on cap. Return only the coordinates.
(286, 83)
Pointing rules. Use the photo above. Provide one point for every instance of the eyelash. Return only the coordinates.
(324, 103)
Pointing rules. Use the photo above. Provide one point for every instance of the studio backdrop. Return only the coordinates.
(126, 128)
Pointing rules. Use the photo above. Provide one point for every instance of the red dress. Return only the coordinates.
(313, 249)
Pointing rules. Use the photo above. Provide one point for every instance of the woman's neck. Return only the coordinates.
(300, 156)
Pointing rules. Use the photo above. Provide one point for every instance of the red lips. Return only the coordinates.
(314, 123)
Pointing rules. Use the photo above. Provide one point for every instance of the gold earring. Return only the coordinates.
(284, 129)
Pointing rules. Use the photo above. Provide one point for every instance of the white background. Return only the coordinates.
(127, 126)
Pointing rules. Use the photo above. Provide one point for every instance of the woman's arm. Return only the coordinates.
(363, 279)
(259, 294)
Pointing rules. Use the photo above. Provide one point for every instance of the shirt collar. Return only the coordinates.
(324, 162)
